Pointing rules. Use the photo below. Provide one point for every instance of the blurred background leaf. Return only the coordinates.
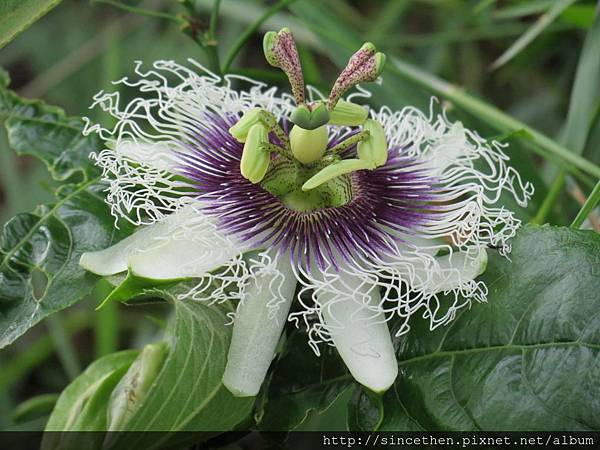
(17, 15)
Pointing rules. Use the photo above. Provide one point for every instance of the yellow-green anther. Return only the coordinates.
(335, 170)
(308, 145)
(348, 114)
(255, 159)
(134, 385)
(240, 130)
(280, 51)
(365, 65)
(374, 148)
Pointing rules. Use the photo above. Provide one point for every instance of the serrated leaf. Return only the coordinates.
(47, 133)
(302, 384)
(188, 394)
(528, 359)
(40, 251)
(17, 15)
(39, 258)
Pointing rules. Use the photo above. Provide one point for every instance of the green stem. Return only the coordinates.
(248, 32)
(210, 42)
(214, 18)
(142, 11)
(498, 119)
(207, 40)
(106, 329)
(64, 346)
(591, 202)
(548, 202)
(213, 59)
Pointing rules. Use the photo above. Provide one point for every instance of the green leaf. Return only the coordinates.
(583, 107)
(17, 15)
(65, 413)
(82, 405)
(188, 394)
(525, 360)
(40, 251)
(301, 384)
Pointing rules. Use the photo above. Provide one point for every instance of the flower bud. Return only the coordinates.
(134, 385)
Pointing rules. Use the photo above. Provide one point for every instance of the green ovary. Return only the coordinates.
(285, 179)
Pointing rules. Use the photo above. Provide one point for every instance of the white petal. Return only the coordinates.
(257, 328)
(419, 244)
(154, 154)
(360, 334)
(458, 268)
(186, 244)
(113, 260)
(449, 147)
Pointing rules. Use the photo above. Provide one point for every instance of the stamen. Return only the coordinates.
(280, 51)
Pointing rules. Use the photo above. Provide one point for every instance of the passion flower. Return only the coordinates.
(264, 198)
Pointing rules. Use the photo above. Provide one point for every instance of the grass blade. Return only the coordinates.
(498, 119)
(339, 41)
(583, 107)
(585, 96)
(529, 36)
(591, 202)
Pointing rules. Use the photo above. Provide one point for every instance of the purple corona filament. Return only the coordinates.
(398, 198)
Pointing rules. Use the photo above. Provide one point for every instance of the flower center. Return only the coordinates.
(285, 179)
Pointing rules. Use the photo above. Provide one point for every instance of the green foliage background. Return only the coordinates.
(529, 81)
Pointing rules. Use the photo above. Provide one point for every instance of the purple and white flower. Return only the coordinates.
(406, 231)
